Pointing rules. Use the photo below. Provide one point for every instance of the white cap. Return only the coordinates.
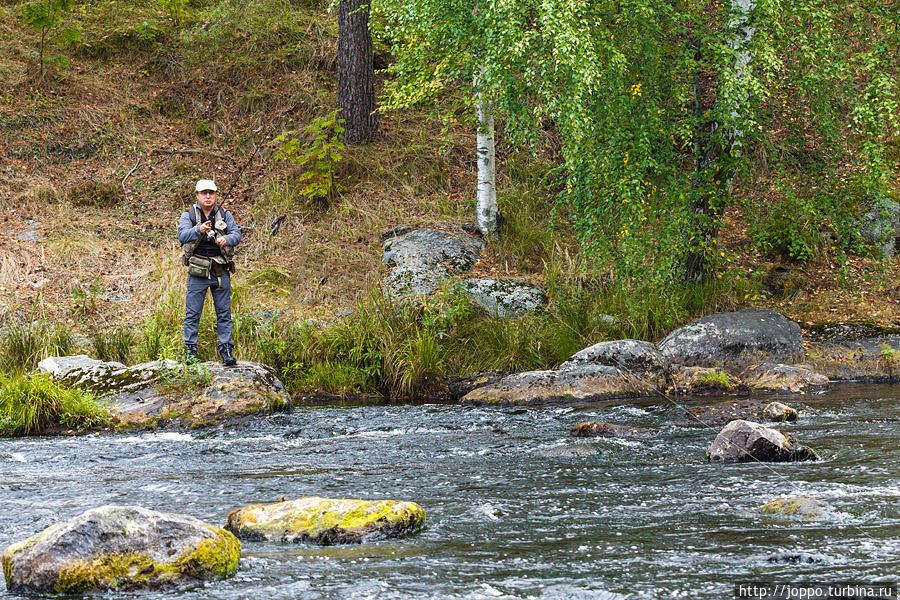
(206, 184)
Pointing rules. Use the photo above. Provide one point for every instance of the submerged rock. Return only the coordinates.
(776, 411)
(601, 429)
(874, 359)
(423, 258)
(147, 393)
(568, 451)
(504, 298)
(802, 507)
(747, 409)
(326, 521)
(743, 441)
(120, 547)
(773, 377)
(739, 338)
(573, 383)
(633, 356)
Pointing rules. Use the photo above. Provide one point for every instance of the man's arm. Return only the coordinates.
(186, 231)
(232, 231)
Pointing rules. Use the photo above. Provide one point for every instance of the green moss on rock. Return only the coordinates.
(327, 521)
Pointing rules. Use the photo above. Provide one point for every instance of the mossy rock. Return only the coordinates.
(802, 507)
(120, 547)
(601, 429)
(326, 521)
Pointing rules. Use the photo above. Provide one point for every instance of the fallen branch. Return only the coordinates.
(133, 169)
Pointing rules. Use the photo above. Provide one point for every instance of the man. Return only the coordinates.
(208, 233)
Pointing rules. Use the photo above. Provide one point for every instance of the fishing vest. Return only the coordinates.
(218, 220)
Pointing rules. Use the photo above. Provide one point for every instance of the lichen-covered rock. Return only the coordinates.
(802, 507)
(743, 441)
(746, 336)
(634, 356)
(880, 224)
(120, 547)
(704, 381)
(873, 359)
(601, 429)
(326, 521)
(574, 383)
(146, 393)
(422, 259)
(504, 298)
(776, 411)
(772, 377)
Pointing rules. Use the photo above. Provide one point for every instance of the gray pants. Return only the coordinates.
(196, 295)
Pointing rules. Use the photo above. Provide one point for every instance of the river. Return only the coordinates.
(640, 518)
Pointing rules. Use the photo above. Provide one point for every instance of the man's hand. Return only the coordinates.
(220, 240)
(205, 226)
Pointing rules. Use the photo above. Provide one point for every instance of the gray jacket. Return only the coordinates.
(189, 233)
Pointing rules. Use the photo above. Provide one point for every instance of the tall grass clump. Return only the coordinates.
(23, 346)
(35, 404)
(114, 345)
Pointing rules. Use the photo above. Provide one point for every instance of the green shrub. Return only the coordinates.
(35, 404)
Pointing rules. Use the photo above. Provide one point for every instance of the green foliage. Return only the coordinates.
(44, 16)
(789, 229)
(35, 404)
(317, 156)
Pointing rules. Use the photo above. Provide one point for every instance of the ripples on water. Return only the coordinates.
(511, 510)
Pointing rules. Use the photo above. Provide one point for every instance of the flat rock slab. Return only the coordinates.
(601, 429)
(736, 338)
(744, 441)
(574, 383)
(424, 258)
(505, 298)
(120, 547)
(796, 379)
(144, 394)
(874, 359)
(326, 521)
(633, 356)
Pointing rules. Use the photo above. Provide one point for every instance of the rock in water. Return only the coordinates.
(776, 411)
(120, 547)
(803, 507)
(601, 429)
(326, 521)
(746, 336)
(634, 356)
(784, 378)
(743, 441)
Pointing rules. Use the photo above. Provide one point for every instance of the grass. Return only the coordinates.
(183, 379)
(23, 346)
(35, 404)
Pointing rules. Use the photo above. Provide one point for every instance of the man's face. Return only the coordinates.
(206, 199)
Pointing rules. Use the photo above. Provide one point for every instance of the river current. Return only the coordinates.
(512, 511)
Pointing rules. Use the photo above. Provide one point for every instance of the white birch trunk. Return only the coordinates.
(744, 9)
(486, 204)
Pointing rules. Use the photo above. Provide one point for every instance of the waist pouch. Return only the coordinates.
(199, 267)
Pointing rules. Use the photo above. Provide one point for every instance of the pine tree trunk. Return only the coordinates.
(356, 72)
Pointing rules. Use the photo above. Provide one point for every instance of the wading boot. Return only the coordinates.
(227, 358)
(190, 354)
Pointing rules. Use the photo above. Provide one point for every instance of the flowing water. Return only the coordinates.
(512, 512)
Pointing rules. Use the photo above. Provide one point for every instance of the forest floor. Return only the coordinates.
(108, 113)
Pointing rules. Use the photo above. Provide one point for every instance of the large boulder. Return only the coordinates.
(165, 390)
(743, 441)
(879, 225)
(120, 547)
(423, 258)
(573, 383)
(737, 338)
(504, 298)
(632, 356)
(326, 521)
